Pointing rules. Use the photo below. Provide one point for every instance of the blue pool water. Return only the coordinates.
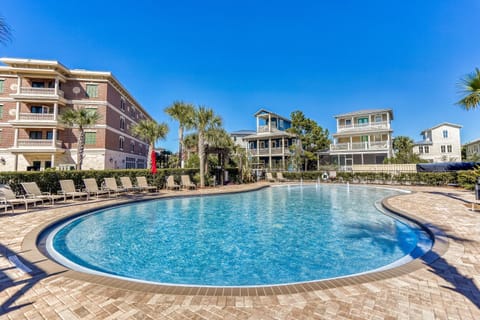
(276, 235)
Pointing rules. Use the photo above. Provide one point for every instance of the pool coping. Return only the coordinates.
(49, 267)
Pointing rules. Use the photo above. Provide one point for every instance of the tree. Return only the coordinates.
(471, 89)
(5, 31)
(150, 131)
(205, 119)
(313, 137)
(183, 113)
(81, 119)
(403, 148)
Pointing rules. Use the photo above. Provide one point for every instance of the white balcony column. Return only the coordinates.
(57, 83)
(270, 153)
(269, 123)
(54, 138)
(15, 162)
(17, 111)
(338, 124)
(388, 120)
(283, 153)
(55, 111)
(15, 138)
(258, 124)
(350, 144)
(19, 84)
(52, 160)
(258, 147)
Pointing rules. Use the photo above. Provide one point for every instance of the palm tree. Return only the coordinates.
(5, 31)
(471, 88)
(150, 131)
(183, 113)
(205, 119)
(81, 119)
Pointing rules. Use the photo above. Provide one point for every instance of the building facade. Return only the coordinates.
(362, 137)
(472, 150)
(238, 137)
(440, 143)
(33, 95)
(270, 146)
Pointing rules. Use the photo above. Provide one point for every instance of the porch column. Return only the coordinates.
(52, 160)
(350, 145)
(258, 148)
(15, 162)
(55, 111)
(270, 153)
(54, 138)
(56, 86)
(258, 124)
(269, 123)
(17, 111)
(283, 153)
(15, 138)
(388, 120)
(19, 84)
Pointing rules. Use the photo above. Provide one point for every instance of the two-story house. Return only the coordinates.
(270, 146)
(440, 143)
(472, 150)
(362, 137)
(33, 95)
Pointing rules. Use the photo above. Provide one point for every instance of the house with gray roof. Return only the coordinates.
(440, 143)
(362, 137)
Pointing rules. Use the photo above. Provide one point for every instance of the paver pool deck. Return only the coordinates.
(443, 286)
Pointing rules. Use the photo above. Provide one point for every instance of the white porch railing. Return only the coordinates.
(40, 91)
(381, 145)
(40, 143)
(36, 116)
(370, 125)
(265, 151)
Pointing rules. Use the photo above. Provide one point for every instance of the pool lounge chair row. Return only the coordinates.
(185, 183)
(269, 177)
(34, 195)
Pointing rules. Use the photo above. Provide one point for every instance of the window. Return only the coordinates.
(141, 164)
(442, 149)
(348, 122)
(1, 111)
(121, 140)
(38, 84)
(122, 104)
(36, 109)
(362, 121)
(122, 123)
(378, 118)
(49, 135)
(91, 110)
(35, 135)
(445, 133)
(132, 146)
(426, 149)
(449, 148)
(129, 163)
(92, 90)
(90, 138)
(420, 149)
(2, 82)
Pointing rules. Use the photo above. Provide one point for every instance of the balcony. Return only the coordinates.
(360, 146)
(38, 146)
(265, 151)
(44, 120)
(364, 126)
(31, 93)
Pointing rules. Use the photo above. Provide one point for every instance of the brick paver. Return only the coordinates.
(447, 288)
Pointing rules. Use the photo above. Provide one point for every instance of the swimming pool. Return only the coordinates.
(277, 235)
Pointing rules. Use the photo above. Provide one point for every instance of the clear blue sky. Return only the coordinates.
(321, 57)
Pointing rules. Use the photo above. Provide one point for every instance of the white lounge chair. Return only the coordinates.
(269, 177)
(280, 177)
(187, 183)
(143, 184)
(171, 184)
(127, 184)
(9, 198)
(91, 187)
(33, 191)
(111, 185)
(68, 190)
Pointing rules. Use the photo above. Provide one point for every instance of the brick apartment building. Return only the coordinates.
(32, 95)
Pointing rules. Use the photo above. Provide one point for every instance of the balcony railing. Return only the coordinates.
(36, 116)
(364, 126)
(31, 91)
(359, 146)
(39, 143)
(265, 151)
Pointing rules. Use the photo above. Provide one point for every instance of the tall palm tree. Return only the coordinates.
(80, 119)
(183, 113)
(5, 31)
(205, 119)
(150, 131)
(471, 88)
